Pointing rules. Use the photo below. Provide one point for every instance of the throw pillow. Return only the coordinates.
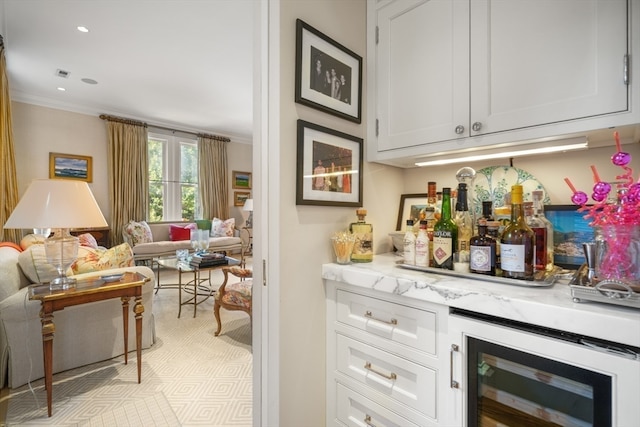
(203, 224)
(178, 232)
(138, 232)
(220, 228)
(31, 239)
(88, 240)
(35, 266)
(10, 245)
(91, 259)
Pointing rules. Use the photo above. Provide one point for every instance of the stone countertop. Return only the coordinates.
(551, 307)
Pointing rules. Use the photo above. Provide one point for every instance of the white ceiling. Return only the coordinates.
(183, 64)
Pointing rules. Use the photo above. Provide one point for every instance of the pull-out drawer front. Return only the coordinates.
(409, 383)
(355, 410)
(396, 322)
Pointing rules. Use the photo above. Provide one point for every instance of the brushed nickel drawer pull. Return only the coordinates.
(389, 322)
(391, 376)
(453, 383)
(367, 420)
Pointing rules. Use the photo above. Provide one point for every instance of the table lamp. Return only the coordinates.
(248, 206)
(58, 204)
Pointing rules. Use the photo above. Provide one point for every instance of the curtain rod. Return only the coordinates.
(135, 122)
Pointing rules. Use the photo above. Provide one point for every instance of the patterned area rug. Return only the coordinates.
(189, 377)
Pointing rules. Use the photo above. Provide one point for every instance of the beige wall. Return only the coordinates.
(37, 131)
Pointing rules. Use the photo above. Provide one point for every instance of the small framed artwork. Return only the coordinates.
(239, 197)
(410, 207)
(241, 180)
(328, 75)
(329, 167)
(570, 231)
(70, 166)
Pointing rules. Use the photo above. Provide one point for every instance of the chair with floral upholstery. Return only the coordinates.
(233, 296)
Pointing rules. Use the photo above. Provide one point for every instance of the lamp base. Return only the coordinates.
(61, 250)
(62, 283)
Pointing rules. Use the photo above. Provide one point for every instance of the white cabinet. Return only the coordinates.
(387, 362)
(447, 75)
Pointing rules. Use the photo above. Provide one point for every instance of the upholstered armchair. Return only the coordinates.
(235, 295)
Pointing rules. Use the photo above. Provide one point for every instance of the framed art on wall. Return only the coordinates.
(240, 197)
(241, 180)
(410, 207)
(328, 75)
(329, 167)
(70, 166)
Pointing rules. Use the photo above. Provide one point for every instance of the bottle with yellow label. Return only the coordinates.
(363, 232)
(445, 235)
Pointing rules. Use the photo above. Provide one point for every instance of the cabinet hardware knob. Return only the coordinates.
(459, 129)
(476, 126)
(389, 322)
(454, 384)
(367, 420)
(392, 376)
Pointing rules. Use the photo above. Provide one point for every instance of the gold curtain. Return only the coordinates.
(213, 177)
(127, 162)
(8, 176)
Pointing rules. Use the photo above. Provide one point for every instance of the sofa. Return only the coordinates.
(154, 240)
(85, 334)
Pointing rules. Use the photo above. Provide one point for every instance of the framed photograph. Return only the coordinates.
(410, 207)
(241, 180)
(570, 231)
(329, 170)
(70, 166)
(328, 75)
(239, 197)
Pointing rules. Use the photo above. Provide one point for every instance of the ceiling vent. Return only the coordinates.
(62, 73)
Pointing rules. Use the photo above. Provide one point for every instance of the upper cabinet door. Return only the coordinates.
(422, 71)
(535, 62)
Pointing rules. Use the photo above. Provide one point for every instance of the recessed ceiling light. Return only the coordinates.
(89, 81)
(83, 29)
(61, 89)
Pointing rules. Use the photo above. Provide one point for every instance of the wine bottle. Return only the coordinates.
(517, 242)
(445, 235)
(463, 219)
(482, 247)
(409, 244)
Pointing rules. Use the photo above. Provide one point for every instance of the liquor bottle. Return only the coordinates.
(463, 219)
(487, 211)
(431, 194)
(438, 213)
(445, 235)
(431, 221)
(493, 230)
(482, 247)
(538, 211)
(409, 244)
(422, 246)
(540, 232)
(363, 247)
(517, 248)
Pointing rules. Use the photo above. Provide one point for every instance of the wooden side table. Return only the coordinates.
(91, 290)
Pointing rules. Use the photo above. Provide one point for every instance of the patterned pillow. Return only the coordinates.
(90, 259)
(88, 240)
(178, 232)
(138, 232)
(220, 228)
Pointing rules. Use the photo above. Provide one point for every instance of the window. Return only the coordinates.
(173, 178)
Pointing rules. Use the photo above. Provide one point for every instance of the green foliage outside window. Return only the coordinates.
(156, 186)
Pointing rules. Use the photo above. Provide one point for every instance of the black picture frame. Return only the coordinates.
(570, 231)
(329, 167)
(410, 204)
(339, 93)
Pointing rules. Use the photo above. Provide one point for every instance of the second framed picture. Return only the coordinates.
(328, 75)
(329, 167)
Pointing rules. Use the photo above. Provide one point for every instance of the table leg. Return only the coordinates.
(179, 292)
(138, 309)
(125, 326)
(48, 329)
(196, 280)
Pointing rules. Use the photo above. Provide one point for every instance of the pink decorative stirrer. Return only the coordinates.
(601, 189)
(579, 197)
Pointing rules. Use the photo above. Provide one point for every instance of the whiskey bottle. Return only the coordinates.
(540, 232)
(538, 212)
(517, 242)
(409, 244)
(445, 235)
(363, 247)
(482, 247)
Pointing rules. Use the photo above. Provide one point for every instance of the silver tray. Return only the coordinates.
(606, 291)
(541, 281)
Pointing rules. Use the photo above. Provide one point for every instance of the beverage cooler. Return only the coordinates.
(507, 373)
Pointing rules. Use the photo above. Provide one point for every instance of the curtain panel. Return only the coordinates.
(213, 177)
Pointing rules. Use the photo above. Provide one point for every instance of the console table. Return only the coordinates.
(86, 291)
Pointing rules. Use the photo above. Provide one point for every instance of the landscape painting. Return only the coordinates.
(70, 166)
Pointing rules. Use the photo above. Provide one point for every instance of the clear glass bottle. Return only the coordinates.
(409, 241)
(482, 248)
(493, 230)
(517, 246)
(540, 232)
(463, 219)
(538, 212)
(445, 235)
(422, 246)
(363, 248)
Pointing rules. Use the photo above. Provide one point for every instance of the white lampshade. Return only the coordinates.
(57, 203)
(248, 205)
